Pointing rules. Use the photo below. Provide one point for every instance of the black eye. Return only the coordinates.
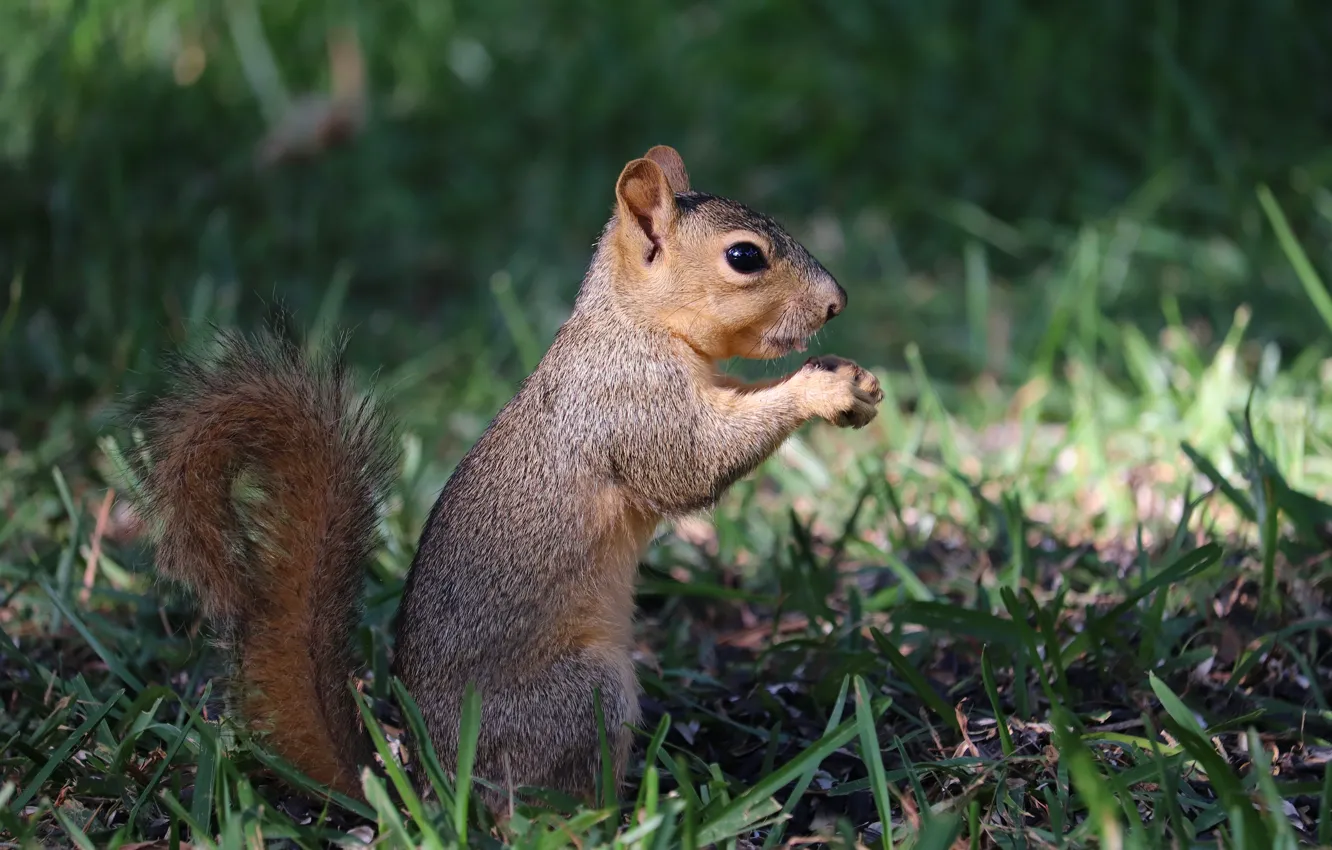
(746, 258)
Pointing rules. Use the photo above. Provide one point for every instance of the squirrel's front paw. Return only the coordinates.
(842, 392)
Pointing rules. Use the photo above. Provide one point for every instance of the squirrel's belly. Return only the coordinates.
(620, 533)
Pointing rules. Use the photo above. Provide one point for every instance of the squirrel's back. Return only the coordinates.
(528, 551)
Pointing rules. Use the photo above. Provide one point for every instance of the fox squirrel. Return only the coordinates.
(523, 580)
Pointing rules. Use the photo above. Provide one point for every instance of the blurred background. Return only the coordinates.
(975, 173)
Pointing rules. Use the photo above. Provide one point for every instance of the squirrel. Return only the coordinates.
(523, 581)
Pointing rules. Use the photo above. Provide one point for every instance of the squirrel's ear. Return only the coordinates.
(673, 166)
(645, 205)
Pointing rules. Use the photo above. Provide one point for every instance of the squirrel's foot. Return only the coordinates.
(841, 392)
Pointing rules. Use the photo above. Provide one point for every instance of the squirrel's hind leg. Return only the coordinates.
(542, 730)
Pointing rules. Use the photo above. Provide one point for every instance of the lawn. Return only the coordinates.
(1071, 588)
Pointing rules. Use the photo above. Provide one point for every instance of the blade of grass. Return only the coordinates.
(683, 779)
(1209, 470)
(608, 800)
(951, 619)
(1325, 818)
(914, 589)
(469, 732)
(422, 745)
(205, 775)
(1048, 632)
(1304, 270)
(1275, 814)
(1000, 718)
(1174, 706)
(872, 756)
(1090, 783)
(1017, 610)
(406, 793)
(649, 795)
(297, 779)
(390, 820)
(915, 680)
(1262, 478)
(650, 754)
(1169, 783)
(933, 406)
(913, 777)
(113, 662)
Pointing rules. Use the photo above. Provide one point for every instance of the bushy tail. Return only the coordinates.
(261, 478)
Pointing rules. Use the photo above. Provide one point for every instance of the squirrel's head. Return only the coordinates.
(727, 280)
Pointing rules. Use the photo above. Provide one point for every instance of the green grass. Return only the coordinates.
(1071, 589)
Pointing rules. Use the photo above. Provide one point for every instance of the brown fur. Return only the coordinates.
(523, 580)
(280, 579)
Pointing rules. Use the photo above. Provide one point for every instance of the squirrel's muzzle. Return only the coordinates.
(838, 302)
(833, 295)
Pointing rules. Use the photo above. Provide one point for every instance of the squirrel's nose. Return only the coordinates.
(838, 304)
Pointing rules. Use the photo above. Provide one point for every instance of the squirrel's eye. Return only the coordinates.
(746, 258)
